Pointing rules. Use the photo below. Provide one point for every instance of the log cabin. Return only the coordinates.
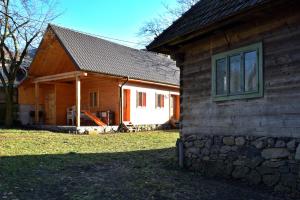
(76, 79)
(240, 89)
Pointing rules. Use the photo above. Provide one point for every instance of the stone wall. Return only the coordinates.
(274, 162)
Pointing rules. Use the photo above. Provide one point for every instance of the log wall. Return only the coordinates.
(277, 113)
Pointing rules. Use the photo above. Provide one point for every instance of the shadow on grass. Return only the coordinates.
(151, 174)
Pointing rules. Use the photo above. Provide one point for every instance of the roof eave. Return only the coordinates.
(165, 46)
(132, 78)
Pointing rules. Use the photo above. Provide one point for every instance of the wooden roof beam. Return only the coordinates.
(61, 76)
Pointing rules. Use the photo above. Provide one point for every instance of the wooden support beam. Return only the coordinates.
(61, 76)
(37, 103)
(78, 95)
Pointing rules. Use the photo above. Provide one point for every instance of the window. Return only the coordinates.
(93, 99)
(159, 100)
(238, 74)
(140, 99)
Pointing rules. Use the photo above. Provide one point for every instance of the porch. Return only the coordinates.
(73, 99)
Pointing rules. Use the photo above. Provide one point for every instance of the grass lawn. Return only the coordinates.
(44, 165)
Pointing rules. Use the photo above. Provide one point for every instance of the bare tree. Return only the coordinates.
(155, 26)
(22, 23)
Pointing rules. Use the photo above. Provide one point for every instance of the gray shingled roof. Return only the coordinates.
(203, 14)
(97, 55)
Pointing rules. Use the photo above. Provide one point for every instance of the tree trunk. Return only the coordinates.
(9, 93)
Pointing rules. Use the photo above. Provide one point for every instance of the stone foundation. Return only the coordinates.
(274, 162)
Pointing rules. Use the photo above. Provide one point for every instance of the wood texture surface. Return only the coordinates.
(277, 113)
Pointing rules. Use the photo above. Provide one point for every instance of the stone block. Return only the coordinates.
(227, 170)
(206, 158)
(274, 164)
(289, 180)
(205, 151)
(283, 169)
(240, 172)
(291, 145)
(281, 188)
(214, 149)
(254, 177)
(233, 155)
(193, 150)
(294, 168)
(249, 151)
(266, 170)
(280, 144)
(228, 140)
(208, 143)
(297, 155)
(191, 138)
(234, 148)
(275, 153)
(259, 144)
(199, 143)
(240, 141)
(254, 162)
(217, 140)
(188, 144)
(225, 149)
(271, 179)
(239, 162)
(270, 142)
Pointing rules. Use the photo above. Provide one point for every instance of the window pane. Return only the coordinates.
(140, 99)
(221, 77)
(144, 99)
(137, 99)
(250, 71)
(235, 74)
(158, 101)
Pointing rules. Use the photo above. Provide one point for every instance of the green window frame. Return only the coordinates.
(235, 87)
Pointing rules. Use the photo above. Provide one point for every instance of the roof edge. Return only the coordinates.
(154, 47)
(135, 79)
(64, 47)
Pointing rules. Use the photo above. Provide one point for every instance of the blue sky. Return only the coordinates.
(112, 18)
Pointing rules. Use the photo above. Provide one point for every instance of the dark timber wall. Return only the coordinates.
(254, 140)
(278, 112)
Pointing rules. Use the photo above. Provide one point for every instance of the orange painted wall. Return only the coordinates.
(26, 94)
(51, 58)
(65, 97)
(108, 94)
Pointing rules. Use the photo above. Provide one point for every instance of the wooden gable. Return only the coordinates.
(51, 57)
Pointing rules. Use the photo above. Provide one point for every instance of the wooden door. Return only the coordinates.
(175, 107)
(126, 105)
(50, 108)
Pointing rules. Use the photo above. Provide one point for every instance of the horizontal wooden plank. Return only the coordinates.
(60, 76)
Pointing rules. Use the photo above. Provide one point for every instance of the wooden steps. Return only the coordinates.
(93, 118)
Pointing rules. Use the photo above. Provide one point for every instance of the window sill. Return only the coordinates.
(238, 97)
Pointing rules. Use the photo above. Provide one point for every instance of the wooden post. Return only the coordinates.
(37, 99)
(78, 94)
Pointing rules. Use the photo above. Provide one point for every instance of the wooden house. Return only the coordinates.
(78, 79)
(240, 88)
